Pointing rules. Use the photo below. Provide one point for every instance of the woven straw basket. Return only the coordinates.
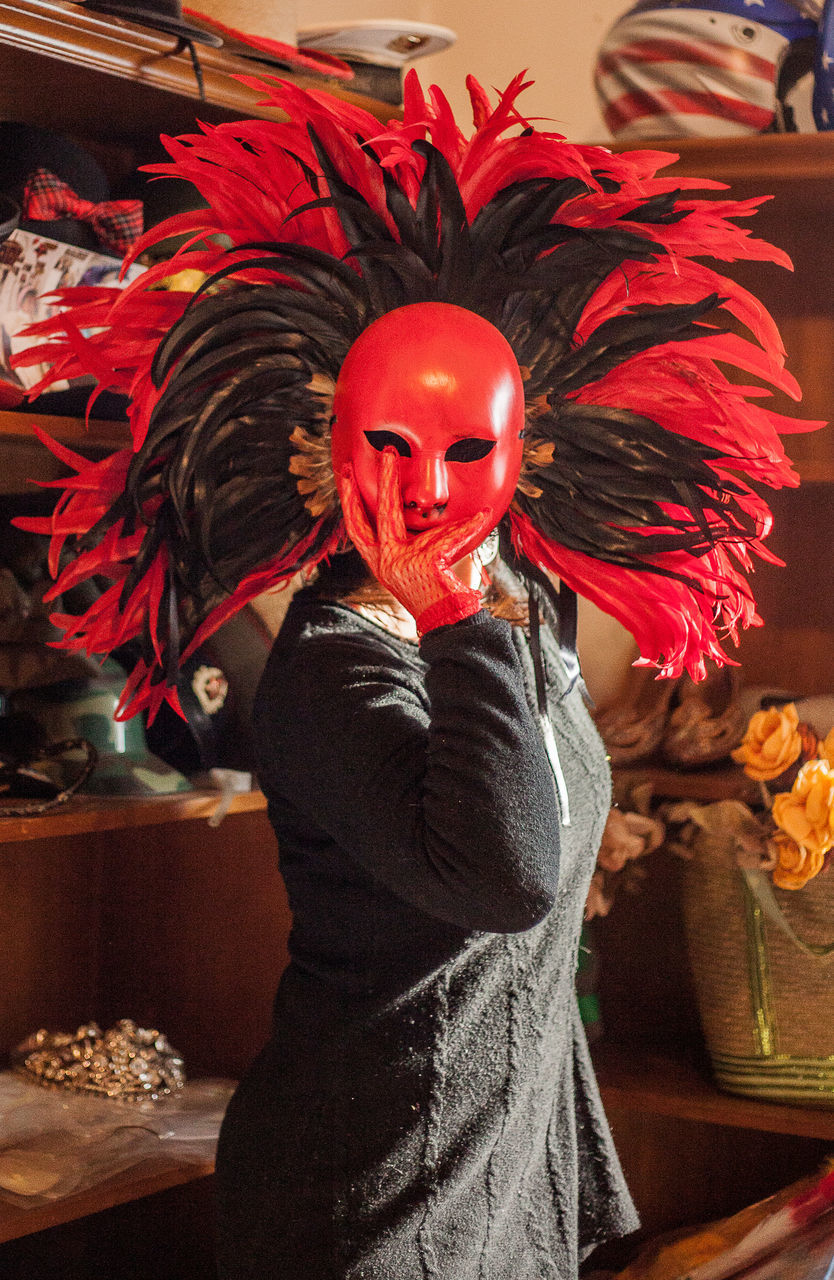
(763, 966)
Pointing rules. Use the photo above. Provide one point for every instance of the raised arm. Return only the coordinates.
(442, 791)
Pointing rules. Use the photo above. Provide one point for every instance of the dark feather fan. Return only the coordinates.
(641, 456)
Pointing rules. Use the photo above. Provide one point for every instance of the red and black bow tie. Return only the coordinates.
(117, 224)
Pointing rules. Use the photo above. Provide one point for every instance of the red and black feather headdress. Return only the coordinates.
(644, 464)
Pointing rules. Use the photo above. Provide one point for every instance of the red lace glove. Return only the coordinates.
(415, 568)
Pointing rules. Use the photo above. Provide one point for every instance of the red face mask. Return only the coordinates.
(442, 386)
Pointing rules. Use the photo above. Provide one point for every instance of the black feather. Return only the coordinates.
(234, 375)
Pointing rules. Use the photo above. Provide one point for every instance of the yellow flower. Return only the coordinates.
(771, 744)
(188, 280)
(806, 812)
(797, 863)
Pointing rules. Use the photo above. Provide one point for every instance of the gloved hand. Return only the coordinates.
(415, 568)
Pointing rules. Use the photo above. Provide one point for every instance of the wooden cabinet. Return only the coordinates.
(140, 909)
(692, 1153)
(144, 910)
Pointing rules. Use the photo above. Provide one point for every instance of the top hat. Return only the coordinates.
(165, 15)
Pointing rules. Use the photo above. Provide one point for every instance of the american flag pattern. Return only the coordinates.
(687, 72)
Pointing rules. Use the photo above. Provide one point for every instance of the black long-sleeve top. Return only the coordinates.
(426, 1107)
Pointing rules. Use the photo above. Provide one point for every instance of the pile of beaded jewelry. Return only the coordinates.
(126, 1062)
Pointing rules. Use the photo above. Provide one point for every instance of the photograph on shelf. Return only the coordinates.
(32, 268)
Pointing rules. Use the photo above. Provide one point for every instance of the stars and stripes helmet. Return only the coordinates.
(718, 68)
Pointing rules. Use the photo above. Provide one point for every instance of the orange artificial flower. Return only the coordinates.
(826, 748)
(806, 812)
(797, 863)
(771, 744)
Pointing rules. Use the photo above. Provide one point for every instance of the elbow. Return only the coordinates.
(516, 912)
(523, 891)
(510, 904)
(498, 889)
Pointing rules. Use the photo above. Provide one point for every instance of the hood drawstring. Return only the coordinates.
(541, 699)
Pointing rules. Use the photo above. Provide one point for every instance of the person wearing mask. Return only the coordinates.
(449, 381)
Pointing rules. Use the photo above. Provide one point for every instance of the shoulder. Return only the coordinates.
(316, 628)
(325, 647)
(329, 676)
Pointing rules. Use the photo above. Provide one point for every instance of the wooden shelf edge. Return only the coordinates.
(144, 1180)
(772, 158)
(104, 43)
(19, 424)
(642, 1080)
(707, 785)
(86, 814)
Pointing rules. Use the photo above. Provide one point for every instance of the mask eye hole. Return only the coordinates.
(380, 440)
(470, 450)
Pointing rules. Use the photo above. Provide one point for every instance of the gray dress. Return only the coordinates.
(426, 1108)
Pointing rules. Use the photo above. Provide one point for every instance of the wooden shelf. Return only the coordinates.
(770, 160)
(637, 1081)
(144, 1180)
(102, 43)
(18, 424)
(83, 815)
(641, 1081)
(27, 461)
(724, 782)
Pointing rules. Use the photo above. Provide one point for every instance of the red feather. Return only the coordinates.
(672, 621)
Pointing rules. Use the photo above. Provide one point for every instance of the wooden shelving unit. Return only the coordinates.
(795, 647)
(26, 460)
(693, 1153)
(93, 47)
(639, 1081)
(130, 907)
(100, 847)
(17, 424)
(705, 785)
(768, 161)
(140, 908)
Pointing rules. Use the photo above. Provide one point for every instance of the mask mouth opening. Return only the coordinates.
(436, 508)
